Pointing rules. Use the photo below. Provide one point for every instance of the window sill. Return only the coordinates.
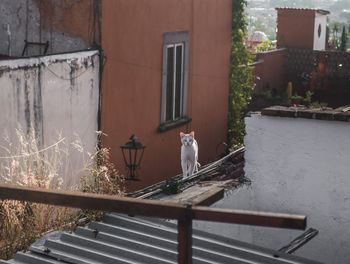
(173, 124)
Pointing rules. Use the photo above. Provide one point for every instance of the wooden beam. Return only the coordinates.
(209, 197)
(152, 208)
(249, 217)
(99, 202)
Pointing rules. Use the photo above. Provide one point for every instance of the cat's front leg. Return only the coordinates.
(184, 168)
(191, 168)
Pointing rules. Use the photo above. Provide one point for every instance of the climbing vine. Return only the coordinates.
(241, 76)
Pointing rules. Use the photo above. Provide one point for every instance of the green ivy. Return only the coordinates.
(241, 75)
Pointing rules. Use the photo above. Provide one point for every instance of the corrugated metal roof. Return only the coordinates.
(121, 239)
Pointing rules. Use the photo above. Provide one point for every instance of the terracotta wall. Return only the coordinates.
(132, 38)
(270, 71)
(295, 28)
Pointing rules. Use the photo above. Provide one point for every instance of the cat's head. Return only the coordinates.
(187, 139)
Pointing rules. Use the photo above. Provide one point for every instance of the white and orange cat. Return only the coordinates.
(189, 154)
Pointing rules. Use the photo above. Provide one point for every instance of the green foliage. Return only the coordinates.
(271, 98)
(241, 77)
(307, 100)
(343, 40)
(172, 186)
(338, 36)
(318, 104)
(265, 46)
(296, 99)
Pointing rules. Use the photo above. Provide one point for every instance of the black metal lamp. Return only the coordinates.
(132, 154)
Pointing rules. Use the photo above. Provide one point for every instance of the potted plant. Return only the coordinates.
(296, 99)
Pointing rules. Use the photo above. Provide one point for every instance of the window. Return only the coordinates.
(174, 81)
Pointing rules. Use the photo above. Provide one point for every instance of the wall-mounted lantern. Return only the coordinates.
(132, 154)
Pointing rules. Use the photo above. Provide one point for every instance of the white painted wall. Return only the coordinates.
(320, 41)
(55, 94)
(297, 166)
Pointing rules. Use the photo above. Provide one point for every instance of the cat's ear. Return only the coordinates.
(182, 134)
(192, 134)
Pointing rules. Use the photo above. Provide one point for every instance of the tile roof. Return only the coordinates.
(121, 239)
(321, 11)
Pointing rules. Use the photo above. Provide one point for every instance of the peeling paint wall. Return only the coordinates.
(68, 25)
(56, 94)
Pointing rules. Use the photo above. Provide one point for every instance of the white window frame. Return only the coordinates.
(175, 46)
(174, 40)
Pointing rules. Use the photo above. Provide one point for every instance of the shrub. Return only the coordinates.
(21, 223)
(307, 100)
(101, 177)
(26, 165)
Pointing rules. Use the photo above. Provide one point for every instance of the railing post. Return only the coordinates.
(184, 237)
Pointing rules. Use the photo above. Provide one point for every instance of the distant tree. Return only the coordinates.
(259, 25)
(343, 40)
(335, 28)
(265, 46)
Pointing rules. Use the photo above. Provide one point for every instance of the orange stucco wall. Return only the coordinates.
(132, 39)
(295, 28)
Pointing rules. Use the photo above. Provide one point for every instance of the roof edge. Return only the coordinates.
(320, 11)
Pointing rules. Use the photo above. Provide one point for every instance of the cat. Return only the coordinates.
(189, 154)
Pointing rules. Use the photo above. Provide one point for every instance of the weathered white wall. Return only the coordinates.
(297, 166)
(55, 94)
(320, 41)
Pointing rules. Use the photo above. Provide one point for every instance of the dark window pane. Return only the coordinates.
(169, 84)
(178, 83)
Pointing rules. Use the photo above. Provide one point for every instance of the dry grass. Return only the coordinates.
(101, 177)
(25, 164)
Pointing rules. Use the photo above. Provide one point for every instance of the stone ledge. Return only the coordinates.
(304, 112)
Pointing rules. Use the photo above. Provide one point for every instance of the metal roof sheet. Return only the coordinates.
(122, 239)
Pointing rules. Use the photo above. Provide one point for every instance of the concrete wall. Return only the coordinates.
(132, 78)
(297, 166)
(270, 71)
(56, 94)
(68, 25)
(295, 28)
(320, 40)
